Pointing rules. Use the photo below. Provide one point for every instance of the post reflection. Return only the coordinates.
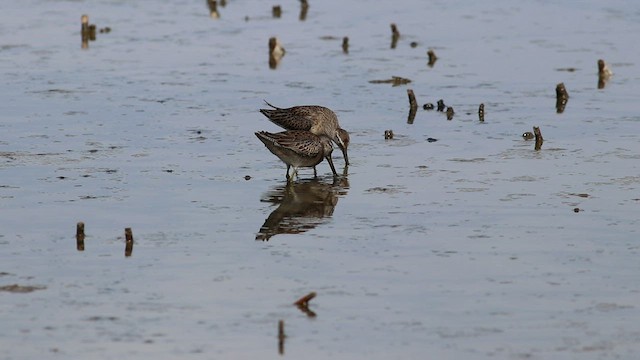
(302, 205)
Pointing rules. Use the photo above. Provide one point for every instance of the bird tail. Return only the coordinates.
(266, 102)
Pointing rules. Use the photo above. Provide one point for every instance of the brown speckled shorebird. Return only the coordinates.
(318, 120)
(298, 148)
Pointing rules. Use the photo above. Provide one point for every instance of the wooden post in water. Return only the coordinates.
(538, 135)
(304, 7)
(128, 237)
(562, 97)
(395, 35)
(345, 45)
(276, 11)
(413, 106)
(481, 112)
(213, 9)
(80, 236)
(441, 106)
(281, 337)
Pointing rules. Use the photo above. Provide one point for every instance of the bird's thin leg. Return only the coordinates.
(288, 177)
(315, 173)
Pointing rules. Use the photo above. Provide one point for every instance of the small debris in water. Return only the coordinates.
(303, 304)
(394, 81)
(388, 134)
(414, 44)
(441, 105)
(431, 140)
(428, 106)
(20, 289)
(432, 57)
(276, 52)
(247, 177)
(527, 135)
(276, 11)
(576, 210)
(213, 9)
(345, 45)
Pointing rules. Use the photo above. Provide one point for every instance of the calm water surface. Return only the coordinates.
(468, 247)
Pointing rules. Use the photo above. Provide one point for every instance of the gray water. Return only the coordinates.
(468, 247)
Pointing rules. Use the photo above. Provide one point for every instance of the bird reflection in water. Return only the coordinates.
(302, 206)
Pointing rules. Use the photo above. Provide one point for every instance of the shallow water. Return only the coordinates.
(466, 247)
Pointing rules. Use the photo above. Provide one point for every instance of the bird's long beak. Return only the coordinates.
(344, 153)
(333, 169)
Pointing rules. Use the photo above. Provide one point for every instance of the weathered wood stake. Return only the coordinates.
(281, 337)
(80, 236)
(276, 11)
(562, 97)
(481, 112)
(412, 99)
(304, 7)
(413, 106)
(539, 139)
(128, 236)
(345, 45)
(395, 35)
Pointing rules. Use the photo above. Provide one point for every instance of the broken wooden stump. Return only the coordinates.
(128, 239)
(281, 337)
(395, 35)
(345, 45)
(80, 236)
(562, 97)
(450, 112)
(604, 73)
(276, 11)
(304, 8)
(538, 136)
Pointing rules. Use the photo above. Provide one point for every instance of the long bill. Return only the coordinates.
(344, 153)
(333, 169)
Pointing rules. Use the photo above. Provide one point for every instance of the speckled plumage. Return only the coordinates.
(298, 148)
(318, 120)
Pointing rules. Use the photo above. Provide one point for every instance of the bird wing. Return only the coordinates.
(294, 118)
(301, 142)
